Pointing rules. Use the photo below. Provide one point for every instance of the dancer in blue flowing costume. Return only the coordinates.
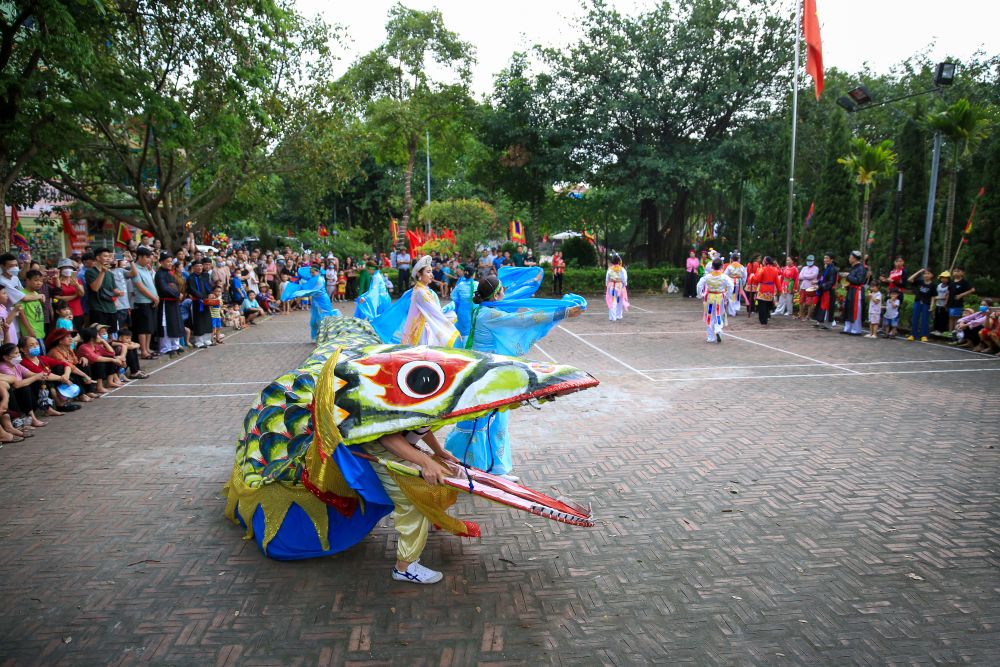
(312, 285)
(375, 301)
(509, 328)
(461, 301)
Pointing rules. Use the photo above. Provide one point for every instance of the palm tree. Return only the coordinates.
(868, 164)
(964, 125)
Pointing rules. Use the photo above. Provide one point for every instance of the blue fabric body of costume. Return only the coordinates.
(375, 301)
(520, 282)
(320, 306)
(461, 297)
(297, 538)
(509, 327)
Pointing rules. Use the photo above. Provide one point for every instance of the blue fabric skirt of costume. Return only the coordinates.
(483, 443)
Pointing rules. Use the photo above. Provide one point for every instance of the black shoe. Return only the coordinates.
(718, 338)
(69, 407)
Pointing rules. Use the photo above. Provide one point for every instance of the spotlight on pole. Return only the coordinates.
(944, 75)
(860, 96)
(847, 103)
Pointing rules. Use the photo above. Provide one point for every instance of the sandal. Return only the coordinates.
(13, 439)
(138, 376)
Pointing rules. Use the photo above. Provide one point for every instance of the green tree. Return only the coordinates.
(46, 48)
(400, 100)
(473, 221)
(964, 125)
(868, 164)
(648, 98)
(192, 102)
(835, 218)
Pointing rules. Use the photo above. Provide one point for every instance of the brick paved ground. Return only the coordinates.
(787, 497)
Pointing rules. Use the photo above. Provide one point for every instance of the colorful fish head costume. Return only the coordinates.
(296, 483)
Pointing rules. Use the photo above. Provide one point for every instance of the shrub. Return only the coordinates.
(579, 252)
(591, 280)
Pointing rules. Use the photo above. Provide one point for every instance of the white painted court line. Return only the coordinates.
(826, 375)
(185, 396)
(696, 331)
(606, 354)
(549, 356)
(841, 363)
(794, 354)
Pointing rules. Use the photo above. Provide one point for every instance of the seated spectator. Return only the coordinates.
(970, 324)
(266, 302)
(24, 386)
(250, 308)
(989, 335)
(129, 349)
(102, 365)
(53, 371)
(8, 432)
(61, 348)
(231, 317)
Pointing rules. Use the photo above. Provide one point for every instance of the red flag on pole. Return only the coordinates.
(68, 228)
(968, 225)
(814, 47)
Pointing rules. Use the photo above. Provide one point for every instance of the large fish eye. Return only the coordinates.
(420, 379)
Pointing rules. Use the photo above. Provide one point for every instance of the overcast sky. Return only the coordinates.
(879, 32)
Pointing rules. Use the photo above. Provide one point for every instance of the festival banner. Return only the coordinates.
(809, 215)
(323, 232)
(517, 232)
(122, 236)
(394, 229)
(18, 237)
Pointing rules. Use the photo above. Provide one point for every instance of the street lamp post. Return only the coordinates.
(860, 99)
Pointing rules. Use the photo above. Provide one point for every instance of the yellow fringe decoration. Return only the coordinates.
(432, 501)
(275, 499)
(324, 474)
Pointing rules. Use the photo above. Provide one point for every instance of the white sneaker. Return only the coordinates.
(417, 574)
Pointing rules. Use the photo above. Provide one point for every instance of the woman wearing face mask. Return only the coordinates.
(102, 364)
(24, 384)
(61, 348)
(53, 372)
(68, 289)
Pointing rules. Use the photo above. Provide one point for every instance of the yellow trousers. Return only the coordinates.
(410, 522)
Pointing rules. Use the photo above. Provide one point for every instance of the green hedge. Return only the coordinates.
(590, 281)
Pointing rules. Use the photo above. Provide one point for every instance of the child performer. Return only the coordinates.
(714, 288)
(616, 289)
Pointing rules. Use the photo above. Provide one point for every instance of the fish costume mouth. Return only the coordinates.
(301, 458)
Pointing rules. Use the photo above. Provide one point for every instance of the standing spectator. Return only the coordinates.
(403, 260)
(826, 293)
(874, 311)
(923, 294)
(891, 321)
(199, 288)
(957, 291)
(15, 292)
(808, 281)
(691, 275)
(330, 274)
(168, 315)
(123, 274)
(8, 317)
(940, 324)
(67, 290)
(518, 257)
(32, 318)
(558, 269)
(854, 303)
(896, 279)
(215, 308)
(101, 291)
(146, 301)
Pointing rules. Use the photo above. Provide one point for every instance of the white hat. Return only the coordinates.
(421, 264)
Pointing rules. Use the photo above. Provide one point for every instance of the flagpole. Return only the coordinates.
(795, 116)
